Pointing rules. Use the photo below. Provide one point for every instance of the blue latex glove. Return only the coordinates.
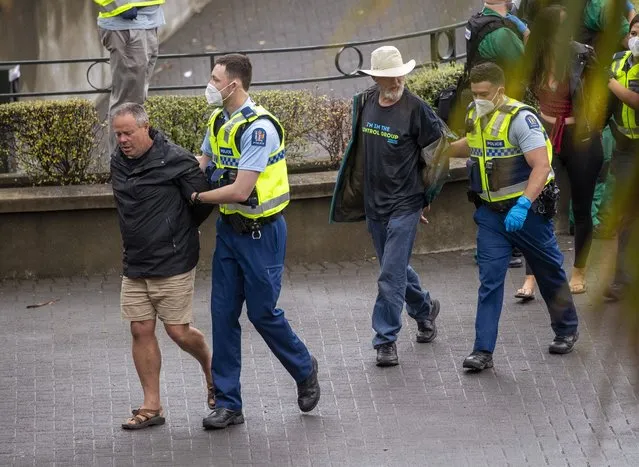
(521, 26)
(517, 215)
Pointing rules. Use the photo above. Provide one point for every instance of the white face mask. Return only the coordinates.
(214, 96)
(485, 106)
(633, 45)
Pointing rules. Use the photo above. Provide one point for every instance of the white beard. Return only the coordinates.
(392, 96)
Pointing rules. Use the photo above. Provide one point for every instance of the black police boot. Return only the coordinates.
(221, 417)
(387, 354)
(515, 262)
(308, 391)
(427, 329)
(478, 360)
(563, 344)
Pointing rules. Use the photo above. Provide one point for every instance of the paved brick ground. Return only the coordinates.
(67, 381)
(252, 24)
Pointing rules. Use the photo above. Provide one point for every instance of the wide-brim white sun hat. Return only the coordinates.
(386, 62)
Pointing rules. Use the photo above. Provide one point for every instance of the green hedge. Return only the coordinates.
(428, 82)
(53, 142)
(308, 119)
(58, 141)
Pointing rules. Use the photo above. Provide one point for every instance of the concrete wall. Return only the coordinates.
(64, 231)
(49, 30)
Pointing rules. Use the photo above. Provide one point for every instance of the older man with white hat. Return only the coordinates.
(380, 182)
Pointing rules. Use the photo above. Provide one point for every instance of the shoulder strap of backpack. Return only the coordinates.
(478, 27)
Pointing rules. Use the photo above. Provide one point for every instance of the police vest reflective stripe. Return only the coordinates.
(272, 188)
(110, 8)
(625, 117)
(501, 166)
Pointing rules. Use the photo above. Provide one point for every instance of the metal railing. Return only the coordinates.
(434, 36)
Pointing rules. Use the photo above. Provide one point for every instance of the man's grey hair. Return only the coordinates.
(131, 108)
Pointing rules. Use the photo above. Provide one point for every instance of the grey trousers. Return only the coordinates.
(133, 53)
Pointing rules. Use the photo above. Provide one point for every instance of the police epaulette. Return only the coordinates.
(248, 112)
(508, 108)
(619, 55)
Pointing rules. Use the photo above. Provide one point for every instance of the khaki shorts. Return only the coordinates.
(167, 298)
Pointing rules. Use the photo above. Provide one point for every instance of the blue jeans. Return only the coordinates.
(539, 246)
(250, 270)
(398, 282)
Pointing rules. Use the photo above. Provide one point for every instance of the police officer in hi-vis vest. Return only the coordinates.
(512, 186)
(129, 32)
(245, 144)
(624, 84)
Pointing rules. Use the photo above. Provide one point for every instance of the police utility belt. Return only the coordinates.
(496, 173)
(545, 204)
(218, 178)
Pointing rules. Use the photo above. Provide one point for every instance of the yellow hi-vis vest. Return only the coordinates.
(110, 8)
(272, 188)
(500, 165)
(626, 118)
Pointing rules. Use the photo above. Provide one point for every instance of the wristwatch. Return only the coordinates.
(196, 199)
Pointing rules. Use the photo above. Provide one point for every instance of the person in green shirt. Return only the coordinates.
(503, 46)
(599, 15)
(492, 35)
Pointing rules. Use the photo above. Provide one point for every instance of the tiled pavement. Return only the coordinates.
(251, 24)
(67, 382)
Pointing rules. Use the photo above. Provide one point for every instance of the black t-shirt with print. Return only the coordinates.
(393, 138)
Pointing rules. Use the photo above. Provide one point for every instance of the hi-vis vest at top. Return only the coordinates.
(501, 167)
(110, 8)
(272, 185)
(626, 117)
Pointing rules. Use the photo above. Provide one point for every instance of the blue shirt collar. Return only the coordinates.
(247, 103)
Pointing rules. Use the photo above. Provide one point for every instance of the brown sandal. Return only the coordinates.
(578, 288)
(143, 418)
(525, 294)
(210, 400)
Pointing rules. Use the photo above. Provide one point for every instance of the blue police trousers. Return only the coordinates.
(538, 243)
(245, 269)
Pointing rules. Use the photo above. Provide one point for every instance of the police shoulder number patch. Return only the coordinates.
(532, 122)
(258, 138)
